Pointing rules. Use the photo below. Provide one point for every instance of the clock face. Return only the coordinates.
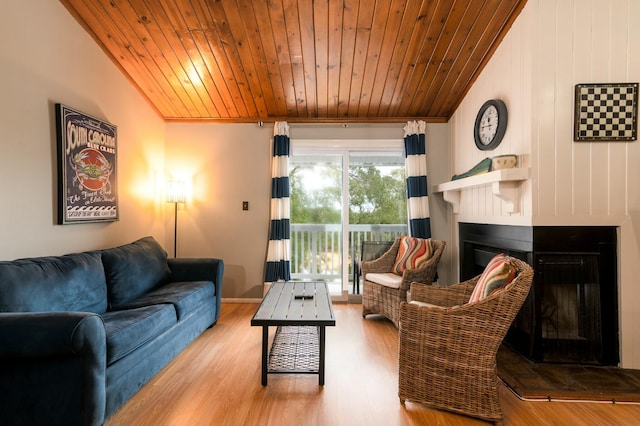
(490, 125)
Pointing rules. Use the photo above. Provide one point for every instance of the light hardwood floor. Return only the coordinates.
(216, 381)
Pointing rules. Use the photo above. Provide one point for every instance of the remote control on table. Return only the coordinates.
(303, 296)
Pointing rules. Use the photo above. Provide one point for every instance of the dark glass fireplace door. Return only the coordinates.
(570, 326)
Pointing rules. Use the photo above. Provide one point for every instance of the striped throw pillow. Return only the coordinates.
(413, 252)
(496, 276)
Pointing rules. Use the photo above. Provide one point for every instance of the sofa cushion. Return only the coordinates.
(129, 329)
(74, 282)
(498, 273)
(134, 269)
(184, 296)
(412, 253)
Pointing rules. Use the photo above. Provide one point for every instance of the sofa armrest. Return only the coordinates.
(199, 269)
(52, 368)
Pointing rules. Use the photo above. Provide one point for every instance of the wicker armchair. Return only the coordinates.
(448, 352)
(379, 299)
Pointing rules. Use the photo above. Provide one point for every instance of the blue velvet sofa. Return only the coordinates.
(81, 333)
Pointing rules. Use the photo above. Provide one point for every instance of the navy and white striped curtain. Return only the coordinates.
(278, 266)
(416, 172)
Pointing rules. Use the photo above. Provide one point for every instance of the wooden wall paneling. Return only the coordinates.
(546, 102)
(391, 28)
(273, 67)
(421, 78)
(414, 61)
(475, 197)
(294, 49)
(321, 33)
(499, 82)
(134, 64)
(519, 135)
(632, 149)
(465, 152)
(618, 190)
(221, 57)
(335, 53)
(307, 41)
(211, 19)
(515, 142)
(563, 112)
(186, 52)
(583, 74)
(350, 19)
(600, 151)
(630, 252)
(237, 72)
(524, 48)
(393, 77)
(265, 88)
(440, 61)
(241, 24)
(280, 37)
(200, 30)
(148, 38)
(374, 52)
(465, 64)
(358, 93)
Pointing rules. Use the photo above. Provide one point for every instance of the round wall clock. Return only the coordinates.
(491, 124)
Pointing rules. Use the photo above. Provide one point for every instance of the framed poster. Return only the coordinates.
(606, 112)
(87, 176)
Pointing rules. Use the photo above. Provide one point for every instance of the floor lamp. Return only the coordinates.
(175, 194)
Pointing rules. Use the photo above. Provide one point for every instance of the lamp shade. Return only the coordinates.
(176, 192)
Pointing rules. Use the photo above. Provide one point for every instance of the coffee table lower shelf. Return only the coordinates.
(295, 349)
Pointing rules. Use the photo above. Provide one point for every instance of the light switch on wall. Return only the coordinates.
(245, 205)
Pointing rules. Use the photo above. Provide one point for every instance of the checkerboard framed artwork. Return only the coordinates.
(606, 112)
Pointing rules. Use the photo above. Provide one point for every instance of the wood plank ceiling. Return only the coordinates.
(299, 60)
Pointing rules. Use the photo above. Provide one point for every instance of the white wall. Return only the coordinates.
(225, 164)
(46, 58)
(553, 45)
(230, 163)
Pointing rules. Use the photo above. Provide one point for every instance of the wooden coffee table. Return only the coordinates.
(300, 311)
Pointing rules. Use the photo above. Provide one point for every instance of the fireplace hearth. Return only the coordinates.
(571, 314)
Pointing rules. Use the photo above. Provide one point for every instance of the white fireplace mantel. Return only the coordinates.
(504, 183)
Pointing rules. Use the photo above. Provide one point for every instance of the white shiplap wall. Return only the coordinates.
(581, 41)
(553, 45)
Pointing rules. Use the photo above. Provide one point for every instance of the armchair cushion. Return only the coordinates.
(427, 305)
(412, 253)
(388, 279)
(498, 273)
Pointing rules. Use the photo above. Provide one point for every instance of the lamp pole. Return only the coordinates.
(175, 194)
(175, 231)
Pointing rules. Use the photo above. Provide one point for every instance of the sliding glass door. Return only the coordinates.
(339, 198)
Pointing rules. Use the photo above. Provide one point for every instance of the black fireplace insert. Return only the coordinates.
(571, 313)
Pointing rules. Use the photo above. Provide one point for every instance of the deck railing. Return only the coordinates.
(316, 249)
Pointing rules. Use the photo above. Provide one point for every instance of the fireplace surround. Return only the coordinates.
(571, 313)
